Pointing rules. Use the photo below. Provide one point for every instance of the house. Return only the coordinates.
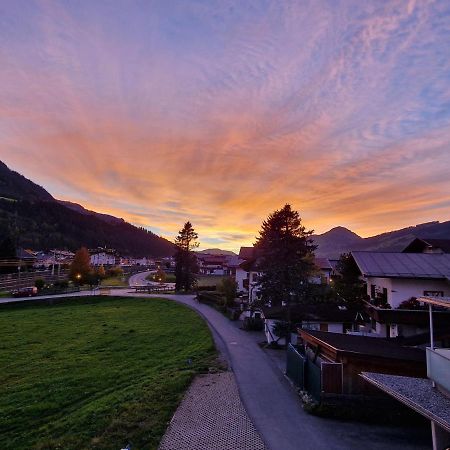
(232, 266)
(393, 279)
(323, 317)
(248, 274)
(334, 361)
(425, 245)
(104, 257)
(211, 264)
(429, 397)
(325, 269)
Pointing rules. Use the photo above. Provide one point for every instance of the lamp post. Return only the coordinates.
(18, 268)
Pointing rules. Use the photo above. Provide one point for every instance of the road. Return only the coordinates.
(139, 279)
(274, 407)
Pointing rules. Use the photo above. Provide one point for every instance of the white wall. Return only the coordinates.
(401, 289)
(241, 275)
(98, 259)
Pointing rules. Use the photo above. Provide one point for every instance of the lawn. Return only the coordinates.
(170, 277)
(209, 280)
(96, 373)
(115, 281)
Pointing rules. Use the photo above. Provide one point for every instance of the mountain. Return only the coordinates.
(16, 186)
(87, 212)
(37, 220)
(216, 251)
(340, 240)
(335, 240)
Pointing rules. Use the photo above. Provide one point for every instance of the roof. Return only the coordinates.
(365, 345)
(403, 265)
(246, 252)
(417, 393)
(421, 244)
(437, 301)
(323, 263)
(234, 261)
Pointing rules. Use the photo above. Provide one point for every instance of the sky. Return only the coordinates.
(220, 112)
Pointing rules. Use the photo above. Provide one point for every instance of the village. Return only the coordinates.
(392, 345)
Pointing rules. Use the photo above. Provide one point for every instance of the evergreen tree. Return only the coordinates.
(185, 260)
(348, 284)
(285, 257)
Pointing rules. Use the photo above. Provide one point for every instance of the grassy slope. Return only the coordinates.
(209, 280)
(96, 373)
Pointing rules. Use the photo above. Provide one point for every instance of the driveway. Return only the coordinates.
(139, 279)
(275, 409)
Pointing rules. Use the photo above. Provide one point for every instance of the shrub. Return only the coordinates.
(228, 288)
(411, 303)
(39, 283)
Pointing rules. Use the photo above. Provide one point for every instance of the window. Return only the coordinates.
(433, 293)
(372, 291)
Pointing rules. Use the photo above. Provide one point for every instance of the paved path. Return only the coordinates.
(274, 408)
(139, 279)
(212, 417)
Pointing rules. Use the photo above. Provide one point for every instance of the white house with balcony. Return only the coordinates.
(399, 276)
(394, 278)
(429, 397)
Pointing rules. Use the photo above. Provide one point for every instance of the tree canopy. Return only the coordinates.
(348, 284)
(285, 257)
(80, 269)
(186, 266)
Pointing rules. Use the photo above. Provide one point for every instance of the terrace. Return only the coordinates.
(431, 397)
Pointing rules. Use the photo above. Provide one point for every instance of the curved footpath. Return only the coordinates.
(273, 406)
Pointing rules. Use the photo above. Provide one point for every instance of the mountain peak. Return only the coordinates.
(15, 186)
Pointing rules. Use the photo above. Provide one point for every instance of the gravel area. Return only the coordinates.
(417, 393)
(212, 417)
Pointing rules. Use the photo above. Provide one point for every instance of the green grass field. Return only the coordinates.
(209, 280)
(115, 281)
(96, 373)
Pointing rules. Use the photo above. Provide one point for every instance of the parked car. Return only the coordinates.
(25, 292)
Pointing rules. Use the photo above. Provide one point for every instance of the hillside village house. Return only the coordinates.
(393, 278)
(429, 397)
(426, 245)
(321, 317)
(247, 273)
(333, 362)
(104, 257)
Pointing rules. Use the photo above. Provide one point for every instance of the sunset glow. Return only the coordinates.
(220, 112)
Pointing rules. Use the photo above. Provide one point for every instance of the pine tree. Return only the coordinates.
(185, 260)
(348, 284)
(286, 257)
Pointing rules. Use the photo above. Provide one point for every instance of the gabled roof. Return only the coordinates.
(363, 345)
(323, 263)
(246, 252)
(234, 261)
(403, 265)
(419, 245)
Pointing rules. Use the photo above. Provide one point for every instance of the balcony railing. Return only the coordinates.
(438, 366)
